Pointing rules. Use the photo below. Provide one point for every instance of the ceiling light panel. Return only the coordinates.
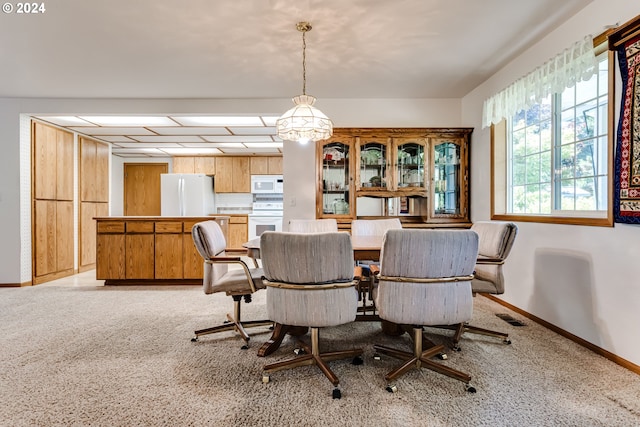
(226, 145)
(253, 130)
(142, 145)
(219, 121)
(236, 138)
(246, 151)
(184, 151)
(263, 144)
(116, 150)
(130, 120)
(190, 130)
(168, 138)
(116, 138)
(270, 120)
(65, 120)
(112, 131)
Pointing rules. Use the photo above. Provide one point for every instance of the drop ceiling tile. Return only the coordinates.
(116, 138)
(248, 151)
(65, 120)
(185, 151)
(218, 120)
(239, 138)
(189, 130)
(253, 130)
(263, 145)
(112, 130)
(168, 138)
(270, 120)
(129, 120)
(148, 145)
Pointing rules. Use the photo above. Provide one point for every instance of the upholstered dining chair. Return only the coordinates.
(313, 225)
(374, 227)
(495, 240)
(309, 279)
(229, 274)
(425, 280)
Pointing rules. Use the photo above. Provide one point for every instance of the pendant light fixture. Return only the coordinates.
(304, 123)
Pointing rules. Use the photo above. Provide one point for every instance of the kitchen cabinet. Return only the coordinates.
(140, 250)
(427, 168)
(168, 250)
(94, 171)
(93, 175)
(266, 165)
(238, 231)
(52, 152)
(195, 164)
(233, 175)
(149, 250)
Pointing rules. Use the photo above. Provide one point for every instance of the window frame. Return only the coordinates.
(498, 162)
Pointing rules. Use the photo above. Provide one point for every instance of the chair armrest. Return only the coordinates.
(375, 269)
(226, 258)
(491, 261)
(357, 273)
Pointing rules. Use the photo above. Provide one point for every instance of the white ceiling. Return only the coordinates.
(251, 49)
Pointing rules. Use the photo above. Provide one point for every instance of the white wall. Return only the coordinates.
(582, 279)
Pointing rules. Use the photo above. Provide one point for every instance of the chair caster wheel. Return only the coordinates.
(392, 389)
(441, 356)
(506, 341)
(336, 393)
(357, 361)
(469, 388)
(245, 347)
(377, 357)
(265, 379)
(456, 348)
(299, 351)
(194, 339)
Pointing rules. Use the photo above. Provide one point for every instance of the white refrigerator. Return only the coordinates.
(186, 195)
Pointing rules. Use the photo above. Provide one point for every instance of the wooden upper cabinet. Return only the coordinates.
(205, 165)
(241, 175)
(64, 165)
(102, 172)
(233, 175)
(271, 165)
(259, 166)
(183, 165)
(52, 151)
(190, 164)
(94, 171)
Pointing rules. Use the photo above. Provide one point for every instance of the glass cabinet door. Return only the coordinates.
(410, 158)
(447, 178)
(372, 157)
(336, 199)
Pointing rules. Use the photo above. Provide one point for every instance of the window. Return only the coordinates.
(553, 162)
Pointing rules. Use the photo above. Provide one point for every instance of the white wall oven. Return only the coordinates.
(266, 216)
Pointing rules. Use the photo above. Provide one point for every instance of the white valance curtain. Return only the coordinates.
(576, 63)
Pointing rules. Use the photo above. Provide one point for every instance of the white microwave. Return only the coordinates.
(261, 184)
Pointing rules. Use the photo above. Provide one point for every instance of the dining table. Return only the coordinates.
(365, 248)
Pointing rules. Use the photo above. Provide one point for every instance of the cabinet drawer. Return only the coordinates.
(168, 227)
(188, 225)
(111, 227)
(139, 227)
(238, 220)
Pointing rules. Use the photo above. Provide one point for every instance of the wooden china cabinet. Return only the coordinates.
(427, 167)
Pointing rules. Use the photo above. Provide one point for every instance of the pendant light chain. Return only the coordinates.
(304, 62)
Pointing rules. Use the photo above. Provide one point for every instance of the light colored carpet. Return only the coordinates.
(89, 355)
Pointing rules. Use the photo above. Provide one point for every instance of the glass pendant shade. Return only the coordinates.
(304, 122)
